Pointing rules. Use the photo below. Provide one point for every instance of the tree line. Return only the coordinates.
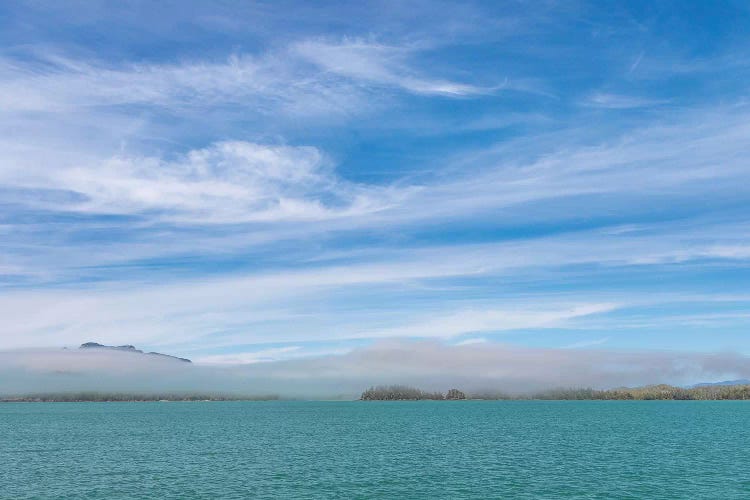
(646, 393)
(82, 397)
(406, 393)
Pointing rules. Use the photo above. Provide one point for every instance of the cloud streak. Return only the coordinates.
(381, 65)
(282, 305)
(308, 77)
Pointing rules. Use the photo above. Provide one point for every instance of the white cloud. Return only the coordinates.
(60, 84)
(696, 154)
(263, 355)
(286, 305)
(226, 182)
(587, 343)
(287, 80)
(233, 181)
(492, 320)
(473, 340)
(619, 101)
(379, 64)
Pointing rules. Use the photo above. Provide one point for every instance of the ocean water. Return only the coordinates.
(427, 449)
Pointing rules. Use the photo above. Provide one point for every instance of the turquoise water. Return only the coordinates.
(473, 449)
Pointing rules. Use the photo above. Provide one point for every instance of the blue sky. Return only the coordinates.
(238, 181)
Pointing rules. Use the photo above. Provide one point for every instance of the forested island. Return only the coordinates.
(702, 392)
(406, 393)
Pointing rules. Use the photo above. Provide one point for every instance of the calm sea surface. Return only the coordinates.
(474, 449)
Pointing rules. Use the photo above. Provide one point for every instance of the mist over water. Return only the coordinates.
(429, 365)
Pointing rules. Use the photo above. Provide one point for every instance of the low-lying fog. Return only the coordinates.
(427, 365)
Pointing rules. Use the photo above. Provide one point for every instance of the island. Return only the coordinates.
(697, 392)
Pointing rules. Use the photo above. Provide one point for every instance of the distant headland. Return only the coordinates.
(129, 348)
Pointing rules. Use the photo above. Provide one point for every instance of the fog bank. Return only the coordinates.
(429, 365)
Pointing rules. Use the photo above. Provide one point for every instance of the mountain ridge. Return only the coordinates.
(129, 348)
(742, 381)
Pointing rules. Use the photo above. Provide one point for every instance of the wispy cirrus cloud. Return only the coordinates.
(587, 343)
(381, 65)
(283, 305)
(494, 320)
(308, 77)
(61, 84)
(240, 181)
(620, 101)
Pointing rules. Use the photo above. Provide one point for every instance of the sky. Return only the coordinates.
(243, 182)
